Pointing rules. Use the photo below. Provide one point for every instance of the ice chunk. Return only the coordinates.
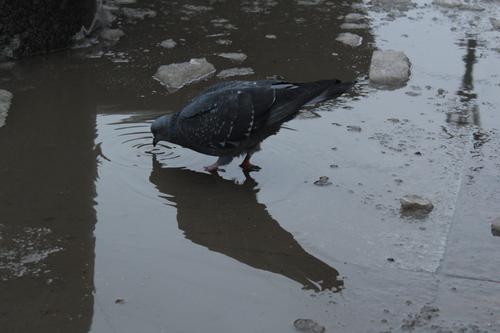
(168, 43)
(354, 17)
(234, 56)
(5, 99)
(495, 23)
(353, 26)
(235, 72)
(112, 35)
(389, 5)
(138, 13)
(349, 39)
(458, 4)
(177, 75)
(390, 68)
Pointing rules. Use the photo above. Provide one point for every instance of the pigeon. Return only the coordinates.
(232, 118)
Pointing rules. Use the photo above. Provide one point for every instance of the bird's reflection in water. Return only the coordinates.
(225, 217)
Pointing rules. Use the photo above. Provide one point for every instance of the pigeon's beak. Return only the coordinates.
(155, 141)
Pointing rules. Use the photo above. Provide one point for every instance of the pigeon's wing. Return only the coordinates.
(222, 120)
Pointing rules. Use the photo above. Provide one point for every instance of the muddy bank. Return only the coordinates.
(33, 27)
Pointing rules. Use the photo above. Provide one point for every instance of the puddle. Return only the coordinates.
(92, 213)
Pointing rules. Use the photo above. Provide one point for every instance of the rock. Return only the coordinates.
(323, 181)
(176, 76)
(354, 17)
(234, 56)
(391, 68)
(495, 23)
(350, 39)
(112, 35)
(414, 202)
(168, 43)
(5, 99)
(235, 72)
(354, 26)
(420, 319)
(457, 4)
(308, 325)
(495, 225)
(352, 128)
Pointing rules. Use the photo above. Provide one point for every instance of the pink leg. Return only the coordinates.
(247, 166)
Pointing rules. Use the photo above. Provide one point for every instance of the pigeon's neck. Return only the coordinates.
(171, 133)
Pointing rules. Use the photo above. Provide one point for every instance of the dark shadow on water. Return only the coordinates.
(468, 111)
(47, 174)
(226, 217)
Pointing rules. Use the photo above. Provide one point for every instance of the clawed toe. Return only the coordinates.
(249, 167)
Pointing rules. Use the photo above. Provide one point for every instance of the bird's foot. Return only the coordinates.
(249, 167)
(214, 168)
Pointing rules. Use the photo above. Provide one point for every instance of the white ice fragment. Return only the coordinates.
(234, 56)
(112, 34)
(138, 13)
(354, 26)
(354, 17)
(5, 99)
(495, 23)
(349, 39)
(177, 75)
(235, 72)
(458, 4)
(168, 43)
(389, 67)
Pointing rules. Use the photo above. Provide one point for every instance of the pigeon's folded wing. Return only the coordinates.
(223, 120)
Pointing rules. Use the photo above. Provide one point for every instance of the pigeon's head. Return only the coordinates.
(162, 129)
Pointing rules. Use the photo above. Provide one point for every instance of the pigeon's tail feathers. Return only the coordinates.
(326, 89)
(292, 96)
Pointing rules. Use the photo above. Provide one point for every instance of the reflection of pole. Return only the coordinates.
(466, 93)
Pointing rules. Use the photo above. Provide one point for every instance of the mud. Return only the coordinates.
(101, 232)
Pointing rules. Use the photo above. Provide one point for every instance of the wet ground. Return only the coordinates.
(101, 233)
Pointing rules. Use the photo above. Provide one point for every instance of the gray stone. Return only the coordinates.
(234, 56)
(5, 99)
(241, 71)
(495, 227)
(308, 326)
(414, 202)
(495, 23)
(349, 39)
(176, 76)
(389, 67)
(323, 181)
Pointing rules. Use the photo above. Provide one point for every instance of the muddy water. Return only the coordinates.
(100, 232)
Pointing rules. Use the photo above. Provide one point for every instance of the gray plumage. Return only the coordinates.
(232, 118)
